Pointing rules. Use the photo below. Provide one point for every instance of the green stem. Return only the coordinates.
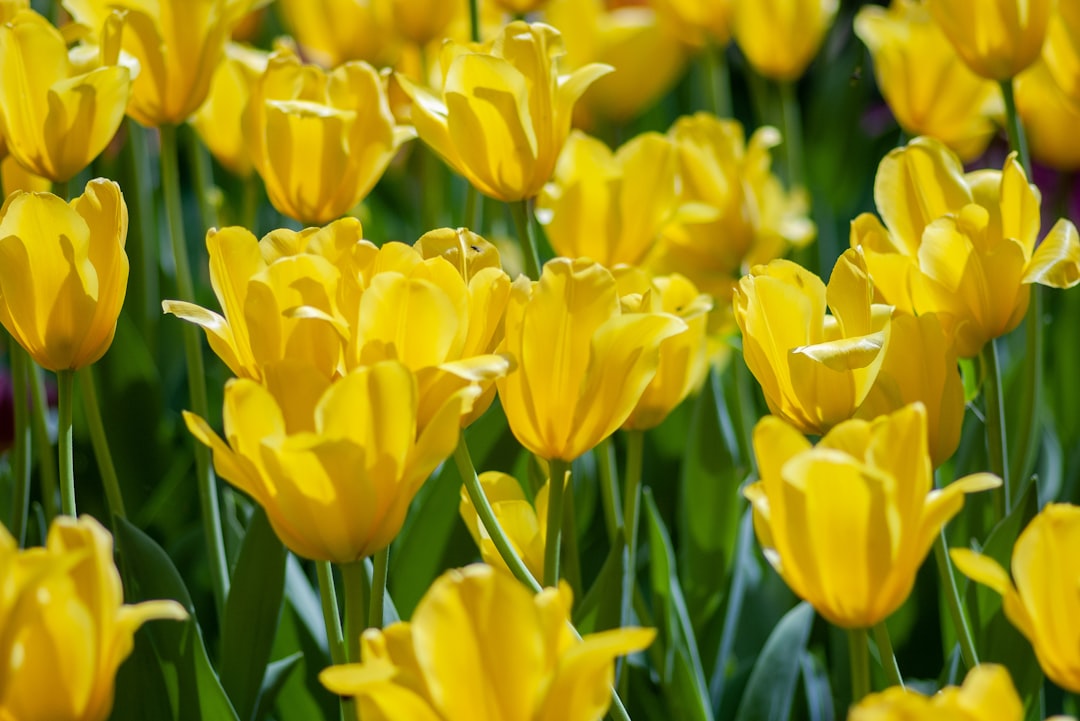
(20, 509)
(635, 451)
(203, 173)
(474, 20)
(553, 541)
(378, 587)
(352, 576)
(331, 615)
(859, 657)
(46, 459)
(888, 657)
(1023, 453)
(793, 150)
(62, 189)
(609, 488)
(952, 597)
(100, 443)
(471, 220)
(64, 381)
(208, 500)
(249, 208)
(142, 246)
(522, 213)
(1014, 128)
(570, 555)
(996, 445)
(717, 76)
(487, 517)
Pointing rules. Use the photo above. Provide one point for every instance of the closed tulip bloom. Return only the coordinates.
(332, 32)
(1050, 118)
(422, 21)
(847, 523)
(63, 273)
(66, 627)
(609, 206)
(814, 369)
(988, 694)
(998, 39)
(55, 116)
(219, 121)
(962, 246)
(1040, 598)
(929, 89)
(524, 523)
(684, 358)
(178, 44)
(505, 110)
(582, 363)
(781, 37)
(335, 465)
(1062, 49)
(695, 19)
(520, 7)
(481, 647)
(319, 140)
(647, 57)
(920, 365)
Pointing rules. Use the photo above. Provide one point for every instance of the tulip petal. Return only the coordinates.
(229, 465)
(1056, 262)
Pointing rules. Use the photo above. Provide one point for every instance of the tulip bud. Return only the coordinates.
(781, 37)
(1001, 38)
(988, 694)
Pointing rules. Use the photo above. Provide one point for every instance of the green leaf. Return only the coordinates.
(251, 614)
(819, 697)
(969, 373)
(277, 673)
(770, 692)
(149, 574)
(602, 607)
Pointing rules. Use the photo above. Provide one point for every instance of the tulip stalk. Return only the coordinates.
(100, 443)
(1013, 126)
(40, 426)
(997, 447)
(635, 451)
(888, 657)
(331, 614)
(64, 383)
(793, 149)
(142, 243)
(208, 500)
(557, 482)
(952, 598)
(20, 508)
(717, 78)
(859, 658)
(352, 577)
(378, 587)
(609, 488)
(522, 212)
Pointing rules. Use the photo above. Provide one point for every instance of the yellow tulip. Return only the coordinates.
(319, 140)
(17, 177)
(848, 523)
(1062, 48)
(1040, 599)
(480, 647)
(1050, 118)
(695, 19)
(178, 44)
(66, 628)
(988, 694)
(734, 212)
(422, 21)
(920, 365)
(63, 273)
(57, 118)
(927, 86)
(525, 523)
(781, 37)
(505, 110)
(219, 121)
(684, 358)
(335, 465)
(999, 38)
(520, 7)
(647, 58)
(962, 246)
(332, 32)
(814, 369)
(582, 363)
(609, 206)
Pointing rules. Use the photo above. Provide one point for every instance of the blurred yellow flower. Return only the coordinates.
(684, 358)
(66, 628)
(848, 523)
(920, 365)
(480, 647)
(1061, 51)
(609, 206)
(697, 21)
(505, 110)
(332, 32)
(988, 694)
(927, 86)
(648, 59)
(962, 246)
(219, 121)
(525, 523)
(335, 465)
(582, 363)
(178, 44)
(63, 273)
(520, 7)
(423, 21)
(319, 140)
(1040, 599)
(781, 37)
(1050, 118)
(1001, 38)
(56, 116)
(814, 369)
